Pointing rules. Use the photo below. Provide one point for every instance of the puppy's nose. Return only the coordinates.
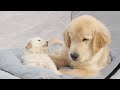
(74, 56)
(47, 42)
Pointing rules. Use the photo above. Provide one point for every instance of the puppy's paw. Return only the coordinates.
(63, 71)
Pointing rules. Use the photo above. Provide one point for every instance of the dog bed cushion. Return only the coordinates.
(6, 75)
(10, 61)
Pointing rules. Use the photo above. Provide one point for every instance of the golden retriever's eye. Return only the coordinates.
(38, 40)
(85, 39)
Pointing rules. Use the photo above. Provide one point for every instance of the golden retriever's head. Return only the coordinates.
(84, 37)
(37, 43)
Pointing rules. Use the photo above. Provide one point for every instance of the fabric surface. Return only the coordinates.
(6, 75)
(10, 61)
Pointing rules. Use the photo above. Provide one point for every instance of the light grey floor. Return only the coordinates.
(16, 27)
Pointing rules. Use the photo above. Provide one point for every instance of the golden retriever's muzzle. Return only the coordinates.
(74, 56)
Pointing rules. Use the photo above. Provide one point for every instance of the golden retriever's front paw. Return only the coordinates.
(63, 71)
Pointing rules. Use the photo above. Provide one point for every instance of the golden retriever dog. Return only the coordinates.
(86, 48)
(36, 55)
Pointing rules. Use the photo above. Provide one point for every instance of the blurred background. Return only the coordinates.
(16, 27)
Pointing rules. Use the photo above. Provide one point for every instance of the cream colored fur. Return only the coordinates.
(37, 55)
(88, 37)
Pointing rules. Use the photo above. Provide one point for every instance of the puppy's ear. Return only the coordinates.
(29, 45)
(100, 39)
(67, 39)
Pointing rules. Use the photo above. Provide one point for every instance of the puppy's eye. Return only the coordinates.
(38, 40)
(85, 39)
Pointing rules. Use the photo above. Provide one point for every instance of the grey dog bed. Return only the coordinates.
(10, 62)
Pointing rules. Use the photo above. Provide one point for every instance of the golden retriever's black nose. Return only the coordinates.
(74, 56)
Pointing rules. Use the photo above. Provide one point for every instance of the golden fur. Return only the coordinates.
(88, 37)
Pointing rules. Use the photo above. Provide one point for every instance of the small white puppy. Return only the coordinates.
(37, 54)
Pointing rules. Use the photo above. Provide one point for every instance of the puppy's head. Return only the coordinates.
(37, 43)
(84, 37)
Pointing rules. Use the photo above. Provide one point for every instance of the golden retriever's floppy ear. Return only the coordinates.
(100, 39)
(29, 45)
(67, 39)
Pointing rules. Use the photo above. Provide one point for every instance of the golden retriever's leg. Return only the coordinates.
(60, 57)
(80, 73)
